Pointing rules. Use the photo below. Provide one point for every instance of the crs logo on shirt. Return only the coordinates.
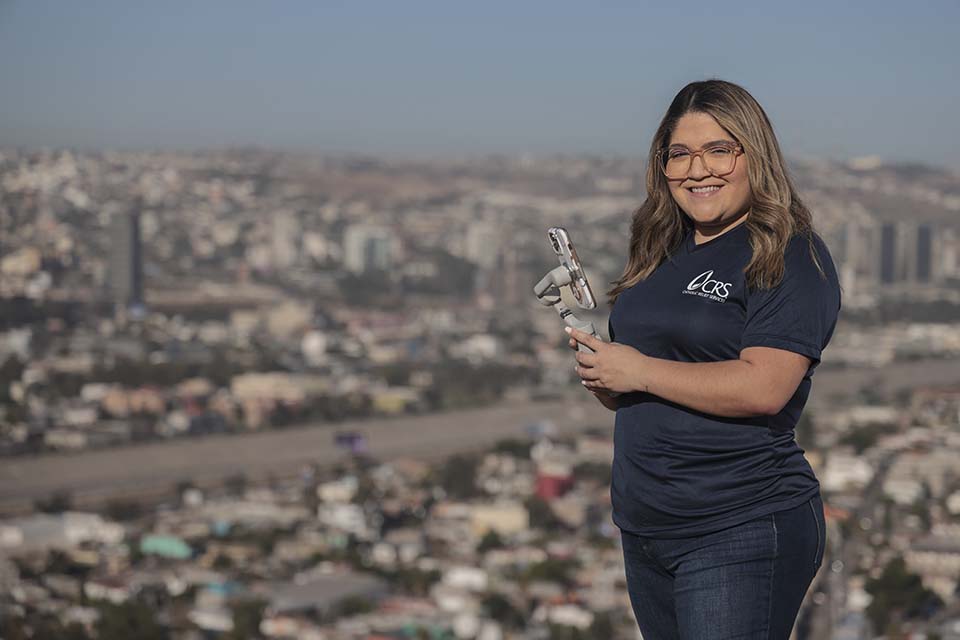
(706, 286)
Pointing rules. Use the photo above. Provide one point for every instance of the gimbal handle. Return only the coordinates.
(548, 293)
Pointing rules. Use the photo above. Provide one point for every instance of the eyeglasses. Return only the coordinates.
(718, 159)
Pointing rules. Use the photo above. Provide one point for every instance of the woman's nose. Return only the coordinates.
(698, 169)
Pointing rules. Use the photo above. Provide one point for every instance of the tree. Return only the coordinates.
(921, 509)
(899, 594)
(491, 540)
(247, 616)
(354, 605)
(129, 620)
(414, 581)
(57, 502)
(10, 371)
(458, 477)
(498, 607)
(862, 438)
(598, 472)
(541, 515)
(602, 626)
(514, 447)
(123, 510)
(236, 485)
(552, 570)
(40, 629)
(457, 384)
(60, 562)
(565, 632)
(12, 629)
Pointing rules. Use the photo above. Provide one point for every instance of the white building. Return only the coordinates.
(845, 472)
(61, 531)
(367, 247)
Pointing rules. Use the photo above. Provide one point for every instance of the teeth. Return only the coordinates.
(704, 189)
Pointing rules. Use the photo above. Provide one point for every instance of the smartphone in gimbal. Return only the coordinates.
(567, 254)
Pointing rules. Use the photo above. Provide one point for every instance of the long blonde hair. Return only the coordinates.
(776, 211)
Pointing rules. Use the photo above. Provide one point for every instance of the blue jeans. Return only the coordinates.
(744, 582)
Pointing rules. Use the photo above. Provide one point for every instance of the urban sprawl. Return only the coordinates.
(247, 394)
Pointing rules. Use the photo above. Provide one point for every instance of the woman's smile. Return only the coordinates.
(705, 192)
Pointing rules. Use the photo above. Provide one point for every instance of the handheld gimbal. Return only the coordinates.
(548, 293)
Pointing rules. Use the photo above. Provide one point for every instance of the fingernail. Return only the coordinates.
(567, 329)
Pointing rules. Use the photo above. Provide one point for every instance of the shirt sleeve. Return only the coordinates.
(801, 312)
(610, 330)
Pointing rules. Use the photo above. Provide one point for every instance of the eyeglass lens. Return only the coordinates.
(718, 160)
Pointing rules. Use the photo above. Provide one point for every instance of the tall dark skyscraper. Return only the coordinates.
(126, 261)
(924, 253)
(907, 253)
(888, 254)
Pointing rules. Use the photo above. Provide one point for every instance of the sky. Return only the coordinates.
(435, 78)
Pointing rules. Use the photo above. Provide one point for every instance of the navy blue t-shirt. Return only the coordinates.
(680, 472)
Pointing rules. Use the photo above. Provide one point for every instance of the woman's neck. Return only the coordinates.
(703, 233)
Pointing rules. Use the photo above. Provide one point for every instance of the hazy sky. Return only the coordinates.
(836, 78)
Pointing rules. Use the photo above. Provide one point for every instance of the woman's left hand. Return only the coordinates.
(612, 367)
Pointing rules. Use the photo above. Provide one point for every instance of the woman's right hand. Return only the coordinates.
(606, 400)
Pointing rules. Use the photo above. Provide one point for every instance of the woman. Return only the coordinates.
(719, 319)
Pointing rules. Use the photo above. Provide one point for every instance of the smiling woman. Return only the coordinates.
(720, 317)
(710, 185)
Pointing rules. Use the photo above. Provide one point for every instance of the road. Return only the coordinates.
(158, 467)
(885, 380)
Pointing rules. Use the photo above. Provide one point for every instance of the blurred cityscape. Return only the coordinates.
(253, 394)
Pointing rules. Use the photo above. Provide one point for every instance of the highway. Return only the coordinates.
(158, 467)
